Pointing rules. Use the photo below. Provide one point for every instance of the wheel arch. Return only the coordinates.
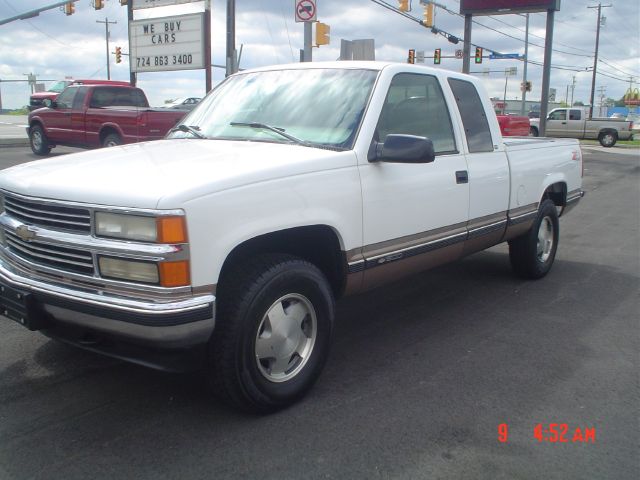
(318, 244)
(556, 191)
(108, 129)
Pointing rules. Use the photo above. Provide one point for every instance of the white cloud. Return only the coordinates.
(54, 45)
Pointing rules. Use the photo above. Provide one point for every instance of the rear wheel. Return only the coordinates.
(112, 140)
(608, 139)
(533, 253)
(272, 333)
(38, 141)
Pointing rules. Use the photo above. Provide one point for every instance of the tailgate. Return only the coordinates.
(159, 122)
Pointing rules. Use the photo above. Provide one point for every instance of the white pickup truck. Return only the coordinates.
(573, 123)
(285, 188)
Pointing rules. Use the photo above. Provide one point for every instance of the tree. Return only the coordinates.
(578, 104)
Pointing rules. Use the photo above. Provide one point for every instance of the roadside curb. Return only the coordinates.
(14, 142)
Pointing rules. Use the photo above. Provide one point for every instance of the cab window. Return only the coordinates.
(415, 105)
(65, 99)
(474, 118)
(575, 115)
(558, 115)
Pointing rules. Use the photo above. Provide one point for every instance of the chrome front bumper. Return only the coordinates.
(177, 323)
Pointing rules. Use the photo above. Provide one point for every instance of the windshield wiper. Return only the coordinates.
(279, 131)
(188, 129)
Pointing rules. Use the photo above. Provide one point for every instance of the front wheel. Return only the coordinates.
(533, 253)
(608, 139)
(38, 141)
(533, 132)
(272, 333)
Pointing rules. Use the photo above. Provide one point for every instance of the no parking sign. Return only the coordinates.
(306, 10)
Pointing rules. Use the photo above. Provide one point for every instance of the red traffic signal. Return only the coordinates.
(412, 56)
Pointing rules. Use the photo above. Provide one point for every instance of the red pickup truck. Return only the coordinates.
(91, 116)
(514, 125)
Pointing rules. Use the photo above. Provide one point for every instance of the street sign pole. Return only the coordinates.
(466, 55)
(308, 41)
(133, 78)
(546, 73)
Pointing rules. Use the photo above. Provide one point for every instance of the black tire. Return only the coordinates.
(38, 141)
(235, 372)
(530, 254)
(533, 131)
(112, 140)
(608, 139)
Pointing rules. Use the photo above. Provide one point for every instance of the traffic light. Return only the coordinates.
(527, 86)
(436, 56)
(478, 55)
(98, 4)
(118, 55)
(403, 5)
(322, 34)
(428, 15)
(412, 56)
(69, 8)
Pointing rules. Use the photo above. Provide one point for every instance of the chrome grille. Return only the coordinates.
(61, 258)
(57, 217)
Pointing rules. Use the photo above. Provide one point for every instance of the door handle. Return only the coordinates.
(462, 176)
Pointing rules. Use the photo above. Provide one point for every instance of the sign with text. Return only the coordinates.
(167, 43)
(496, 7)
(139, 4)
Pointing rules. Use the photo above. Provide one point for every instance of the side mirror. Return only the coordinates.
(47, 102)
(402, 149)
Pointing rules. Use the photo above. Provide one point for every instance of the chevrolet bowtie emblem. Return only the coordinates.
(25, 233)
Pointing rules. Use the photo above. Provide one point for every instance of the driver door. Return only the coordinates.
(414, 215)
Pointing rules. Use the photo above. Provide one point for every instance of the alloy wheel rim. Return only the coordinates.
(545, 239)
(37, 140)
(286, 337)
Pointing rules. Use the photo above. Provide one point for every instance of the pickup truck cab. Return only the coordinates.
(287, 187)
(573, 123)
(93, 116)
(36, 100)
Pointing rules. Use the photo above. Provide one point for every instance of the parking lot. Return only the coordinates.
(422, 379)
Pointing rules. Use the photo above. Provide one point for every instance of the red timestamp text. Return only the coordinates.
(562, 433)
(554, 433)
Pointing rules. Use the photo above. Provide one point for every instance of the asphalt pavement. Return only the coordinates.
(422, 379)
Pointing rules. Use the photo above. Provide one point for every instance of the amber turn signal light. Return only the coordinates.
(174, 274)
(171, 230)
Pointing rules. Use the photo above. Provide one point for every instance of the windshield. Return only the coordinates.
(58, 86)
(321, 107)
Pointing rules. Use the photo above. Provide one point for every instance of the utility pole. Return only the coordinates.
(208, 73)
(573, 87)
(524, 73)
(466, 49)
(106, 37)
(595, 58)
(308, 39)
(231, 37)
(603, 94)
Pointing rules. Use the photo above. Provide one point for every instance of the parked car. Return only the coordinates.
(36, 100)
(92, 116)
(573, 123)
(226, 244)
(184, 103)
(514, 125)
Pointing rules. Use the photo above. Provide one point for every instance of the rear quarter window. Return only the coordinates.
(474, 117)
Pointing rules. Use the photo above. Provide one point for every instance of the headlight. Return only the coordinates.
(170, 229)
(132, 270)
(129, 227)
